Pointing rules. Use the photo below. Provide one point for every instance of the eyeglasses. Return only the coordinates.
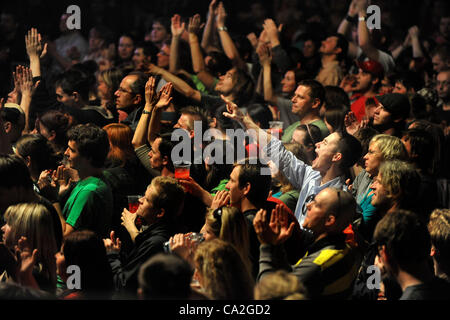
(217, 214)
(123, 90)
(308, 200)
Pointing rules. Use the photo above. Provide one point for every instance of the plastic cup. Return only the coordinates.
(182, 170)
(276, 128)
(133, 203)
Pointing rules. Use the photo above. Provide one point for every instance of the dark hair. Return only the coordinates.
(165, 276)
(40, 151)
(316, 90)
(149, 49)
(335, 118)
(336, 97)
(243, 89)
(14, 172)
(260, 184)
(219, 63)
(313, 134)
(138, 86)
(422, 148)
(86, 250)
(58, 122)
(350, 148)
(219, 171)
(74, 80)
(410, 79)
(165, 148)
(92, 142)
(260, 113)
(406, 238)
(342, 43)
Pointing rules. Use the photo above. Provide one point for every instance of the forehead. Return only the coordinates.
(443, 75)
(128, 80)
(155, 145)
(158, 25)
(235, 173)
(332, 138)
(302, 91)
(325, 197)
(125, 39)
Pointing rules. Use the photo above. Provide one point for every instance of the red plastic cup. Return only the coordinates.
(133, 205)
(182, 171)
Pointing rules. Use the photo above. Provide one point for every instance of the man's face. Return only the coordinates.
(236, 193)
(381, 116)
(363, 82)
(64, 98)
(373, 159)
(74, 158)
(386, 86)
(325, 151)
(95, 40)
(438, 63)
(185, 122)
(126, 48)
(309, 49)
(399, 88)
(156, 160)
(125, 98)
(443, 85)
(302, 102)
(159, 33)
(226, 82)
(318, 211)
(146, 209)
(163, 57)
(380, 195)
(444, 27)
(329, 46)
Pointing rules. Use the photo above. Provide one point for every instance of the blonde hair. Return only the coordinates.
(34, 221)
(280, 285)
(232, 228)
(223, 273)
(392, 148)
(439, 228)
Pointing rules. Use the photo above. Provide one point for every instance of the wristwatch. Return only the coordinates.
(362, 18)
(222, 28)
(146, 112)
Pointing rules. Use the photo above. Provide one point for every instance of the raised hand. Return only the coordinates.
(128, 220)
(264, 54)
(33, 43)
(26, 258)
(351, 124)
(165, 96)
(272, 30)
(183, 246)
(112, 244)
(63, 178)
(177, 26)
(233, 110)
(150, 93)
(275, 231)
(222, 198)
(195, 24)
(221, 15)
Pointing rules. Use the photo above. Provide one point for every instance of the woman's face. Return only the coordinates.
(7, 240)
(288, 82)
(207, 232)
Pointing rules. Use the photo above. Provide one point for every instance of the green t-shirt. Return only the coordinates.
(90, 206)
(289, 132)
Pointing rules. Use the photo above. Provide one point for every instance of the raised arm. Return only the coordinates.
(363, 33)
(346, 26)
(415, 42)
(27, 87)
(265, 58)
(225, 39)
(178, 84)
(140, 135)
(198, 63)
(177, 28)
(35, 50)
(164, 100)
(208, 31)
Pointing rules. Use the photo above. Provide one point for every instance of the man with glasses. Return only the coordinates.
(326, 265)
(130, 97)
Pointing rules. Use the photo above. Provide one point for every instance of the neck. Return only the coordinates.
(167, 173)
(370, 94)
(246, 205)
(89, 172)
(328, 58)
(332, 173)
(309, 117)
(420, 273)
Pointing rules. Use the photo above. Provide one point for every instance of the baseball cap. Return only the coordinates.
(396, 104)
(371, 66)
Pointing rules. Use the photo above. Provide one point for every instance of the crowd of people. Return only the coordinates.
(355, 178)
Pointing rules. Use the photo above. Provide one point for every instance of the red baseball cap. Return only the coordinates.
(371, 66)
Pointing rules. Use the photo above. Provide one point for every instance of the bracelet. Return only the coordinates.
(222, 28)
(351, 19)
(146, 112)
(362, 18)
